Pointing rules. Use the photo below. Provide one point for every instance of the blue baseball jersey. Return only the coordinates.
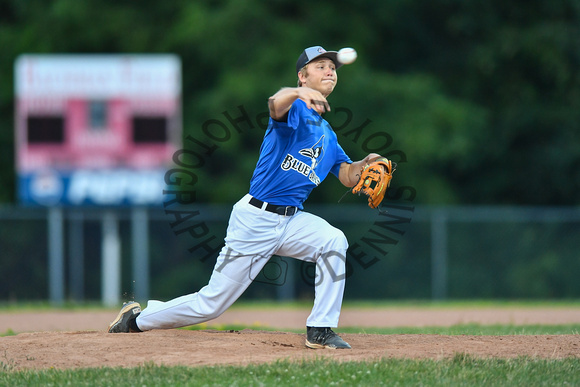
(295, 157)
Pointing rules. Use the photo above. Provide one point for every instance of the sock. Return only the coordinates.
(133, 324)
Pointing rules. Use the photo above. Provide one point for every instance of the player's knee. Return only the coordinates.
(337, 241)
(213, 310)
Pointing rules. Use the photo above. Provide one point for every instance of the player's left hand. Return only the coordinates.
(374, 180)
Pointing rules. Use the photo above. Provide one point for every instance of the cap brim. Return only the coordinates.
(332, 55)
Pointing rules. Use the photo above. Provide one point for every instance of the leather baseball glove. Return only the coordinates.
(374, 180)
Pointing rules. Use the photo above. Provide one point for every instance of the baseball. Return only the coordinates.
(346, 55)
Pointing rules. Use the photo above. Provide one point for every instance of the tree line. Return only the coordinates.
(479, 99)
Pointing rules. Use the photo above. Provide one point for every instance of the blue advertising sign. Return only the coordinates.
(114, 187)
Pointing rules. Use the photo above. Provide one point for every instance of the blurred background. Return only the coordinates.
(477, 101)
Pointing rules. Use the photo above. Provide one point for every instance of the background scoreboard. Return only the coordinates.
(95, 129)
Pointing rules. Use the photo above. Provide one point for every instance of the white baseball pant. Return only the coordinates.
(253, 236)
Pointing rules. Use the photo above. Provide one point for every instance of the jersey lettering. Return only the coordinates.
(290, 162)
(314, 153)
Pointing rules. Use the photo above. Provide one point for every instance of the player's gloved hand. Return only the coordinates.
(374, 180)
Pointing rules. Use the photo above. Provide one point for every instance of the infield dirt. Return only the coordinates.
(69, 339)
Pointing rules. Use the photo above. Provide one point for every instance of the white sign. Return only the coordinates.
(101, 76)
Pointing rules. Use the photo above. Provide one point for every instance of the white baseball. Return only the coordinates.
(346, 55)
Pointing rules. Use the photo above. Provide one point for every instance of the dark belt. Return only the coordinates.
(280, 210)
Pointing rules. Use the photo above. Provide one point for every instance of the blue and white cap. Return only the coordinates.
(314, 52)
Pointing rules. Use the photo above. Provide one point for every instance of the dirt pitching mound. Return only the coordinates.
(198, 348)
(78, 339)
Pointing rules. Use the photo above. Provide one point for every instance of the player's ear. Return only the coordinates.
(302, 76)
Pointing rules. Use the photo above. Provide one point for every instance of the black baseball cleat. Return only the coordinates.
(122, 323)
(324, 338)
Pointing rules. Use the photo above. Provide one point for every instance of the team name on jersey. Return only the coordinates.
(291, 162)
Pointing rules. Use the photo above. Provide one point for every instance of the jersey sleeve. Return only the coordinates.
(293, 118)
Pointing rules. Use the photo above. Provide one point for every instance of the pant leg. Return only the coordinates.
(222, 290)
(310, 238)
(252, 237)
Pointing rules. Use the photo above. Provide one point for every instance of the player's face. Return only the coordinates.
(321, 76)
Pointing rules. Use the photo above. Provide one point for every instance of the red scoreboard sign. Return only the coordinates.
(96, 129)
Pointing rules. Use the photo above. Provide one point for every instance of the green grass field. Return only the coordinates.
(461, 370)
(458, 371)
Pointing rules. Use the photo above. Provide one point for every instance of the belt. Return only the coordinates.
(280, 210)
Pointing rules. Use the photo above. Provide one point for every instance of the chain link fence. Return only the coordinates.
(108, 256)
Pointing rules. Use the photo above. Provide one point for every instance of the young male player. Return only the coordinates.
(298, 151)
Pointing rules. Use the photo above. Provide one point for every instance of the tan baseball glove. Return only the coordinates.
(374, 180)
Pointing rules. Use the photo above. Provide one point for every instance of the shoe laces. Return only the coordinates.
(323, 334)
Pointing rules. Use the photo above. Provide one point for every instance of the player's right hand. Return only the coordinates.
(314, 99)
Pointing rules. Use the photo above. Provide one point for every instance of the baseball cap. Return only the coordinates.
(314, 52)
